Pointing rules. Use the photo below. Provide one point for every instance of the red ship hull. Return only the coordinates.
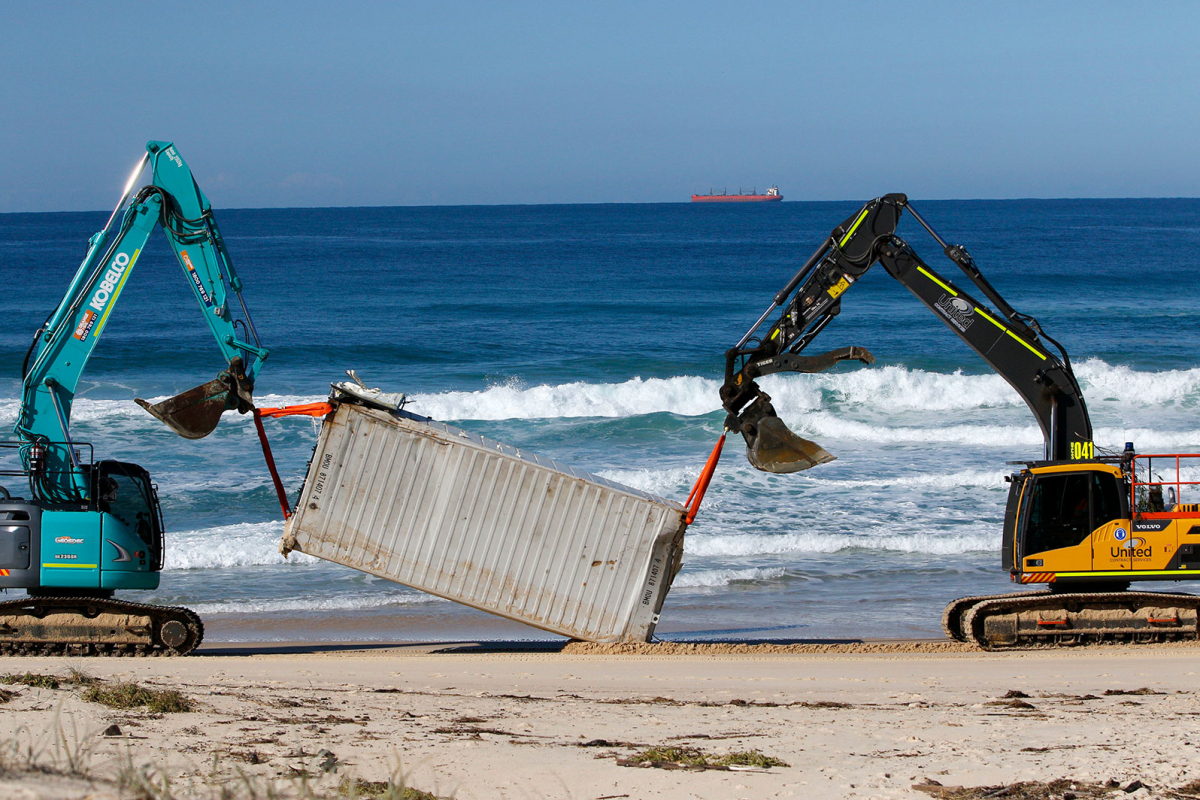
(736, 198)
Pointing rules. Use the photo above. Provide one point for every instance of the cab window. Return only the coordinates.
(1065, 508)
(1106, 499)
(127, 496)
(1058, 514)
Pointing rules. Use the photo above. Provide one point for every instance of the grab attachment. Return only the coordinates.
(195, 413)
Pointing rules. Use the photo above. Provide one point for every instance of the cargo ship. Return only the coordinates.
(753, 197)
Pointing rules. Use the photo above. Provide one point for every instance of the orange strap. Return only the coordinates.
(305, 410)
(692, 504)
(266, 448)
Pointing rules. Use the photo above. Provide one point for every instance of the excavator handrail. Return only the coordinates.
(1178, 509)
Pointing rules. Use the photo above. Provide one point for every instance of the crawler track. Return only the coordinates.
(953, 615)
(93, 626)
(1048, 619)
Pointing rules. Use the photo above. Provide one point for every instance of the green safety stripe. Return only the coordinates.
(73, 566)
(931, 277)
(1027, 345)
(853, 228)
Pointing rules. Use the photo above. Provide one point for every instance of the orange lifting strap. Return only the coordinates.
(266, 448)
(305, 410)
(692, 504)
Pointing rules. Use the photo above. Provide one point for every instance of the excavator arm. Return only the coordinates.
(62, 346)
(1010, 342)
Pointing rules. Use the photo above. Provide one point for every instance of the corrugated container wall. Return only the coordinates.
(472, 520)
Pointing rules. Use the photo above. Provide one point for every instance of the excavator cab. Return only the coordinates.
(1057, 514)
(125, 493)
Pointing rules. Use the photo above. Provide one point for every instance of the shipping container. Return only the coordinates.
(470, 519)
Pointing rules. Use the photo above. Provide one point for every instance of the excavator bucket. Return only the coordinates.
(770, 446)
(195, 413)
(774, 448)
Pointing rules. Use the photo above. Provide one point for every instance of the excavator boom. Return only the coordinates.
(61, 348)
(1010, 342)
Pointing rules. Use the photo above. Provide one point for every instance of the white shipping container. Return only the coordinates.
(476, 521)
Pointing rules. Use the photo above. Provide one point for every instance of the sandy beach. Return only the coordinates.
(858, 720)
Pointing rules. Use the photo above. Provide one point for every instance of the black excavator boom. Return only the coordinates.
(1010, 342)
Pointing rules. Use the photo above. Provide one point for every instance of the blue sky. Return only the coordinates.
(314, 104)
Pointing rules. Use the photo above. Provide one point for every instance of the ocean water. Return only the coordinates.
(594, 335)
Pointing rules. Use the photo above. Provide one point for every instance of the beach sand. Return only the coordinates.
(856, 720)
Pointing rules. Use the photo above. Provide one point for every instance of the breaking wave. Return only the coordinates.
(342, 602)
(241, 545)
(671, 481)
(724, 577)
(756, 544)
(890, 389)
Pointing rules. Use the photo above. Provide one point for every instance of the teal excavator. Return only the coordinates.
(90, 528)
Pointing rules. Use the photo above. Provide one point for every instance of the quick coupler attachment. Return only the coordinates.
(770, 446)
(195, 413)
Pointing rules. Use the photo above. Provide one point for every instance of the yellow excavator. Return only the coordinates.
(1081, 523)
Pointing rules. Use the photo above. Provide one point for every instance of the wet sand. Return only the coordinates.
(854, 719)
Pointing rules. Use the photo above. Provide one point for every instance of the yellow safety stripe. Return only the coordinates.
(116, 293)
(1077, 468)
(72, 566)
(1120, 573)
(929, 275)
(853, 228)
(1028, 346)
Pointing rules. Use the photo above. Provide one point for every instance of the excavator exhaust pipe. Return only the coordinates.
(774, 448)
(195, 413)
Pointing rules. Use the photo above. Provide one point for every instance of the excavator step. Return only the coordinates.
(1042, 619)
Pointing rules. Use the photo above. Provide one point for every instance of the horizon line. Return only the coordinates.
(632, 203)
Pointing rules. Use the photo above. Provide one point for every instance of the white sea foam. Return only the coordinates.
(662, 482)
(968, 478)
(890, 389)
(824, 425)
(686, 395)
(753, 544)
(240, 545)
(673, 480)
(341, 602)
(86, 409)
(724, 577)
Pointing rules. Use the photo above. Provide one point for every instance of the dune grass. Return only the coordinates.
(129, 695)
(677, 756)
